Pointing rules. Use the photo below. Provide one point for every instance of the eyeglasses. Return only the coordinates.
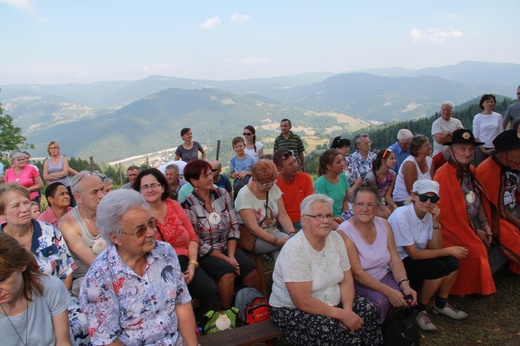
(267, 184)
(141, 230)
(151, 186)
(369, 206)
(285, 156)
(424, 198)
(320, 217)
(247, 133)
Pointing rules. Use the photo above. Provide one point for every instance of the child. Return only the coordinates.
(384, 177)
(240, 166)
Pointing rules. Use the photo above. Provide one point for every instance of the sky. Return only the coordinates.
(53, 41)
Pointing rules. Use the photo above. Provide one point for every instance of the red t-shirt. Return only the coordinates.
(294, 193)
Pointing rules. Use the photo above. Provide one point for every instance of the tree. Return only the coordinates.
(11, 136)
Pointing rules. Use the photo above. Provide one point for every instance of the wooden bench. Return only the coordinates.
(243, 336)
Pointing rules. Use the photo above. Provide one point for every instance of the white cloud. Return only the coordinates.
(252, 61)
(434, 35)
(238, 18)
(24, 5)
(158, 68)
(210, 23)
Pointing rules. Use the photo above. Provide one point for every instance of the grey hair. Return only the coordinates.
(358, 137)
(78, 178)
(447, 103)
(172, 166)
(113, 207)
(305, 206)
(13, 155)
(404, 134)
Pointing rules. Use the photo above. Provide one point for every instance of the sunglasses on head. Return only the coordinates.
(424, 198)
(285, 156)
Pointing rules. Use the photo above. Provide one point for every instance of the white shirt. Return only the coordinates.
(486, 127)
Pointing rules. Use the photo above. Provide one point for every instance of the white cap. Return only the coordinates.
(423, 186)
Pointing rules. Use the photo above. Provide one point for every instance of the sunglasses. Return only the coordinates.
(424, 198)
(247, 134)
(141, 230)
(285, 156)
(215, 169)
(266, 184)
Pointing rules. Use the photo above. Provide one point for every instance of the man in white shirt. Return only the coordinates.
(443, 127)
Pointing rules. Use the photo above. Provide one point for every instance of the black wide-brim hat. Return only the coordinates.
(507, 140)
(463, 136)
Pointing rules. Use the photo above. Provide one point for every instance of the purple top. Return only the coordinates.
(374, 257)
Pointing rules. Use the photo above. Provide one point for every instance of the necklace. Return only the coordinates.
(26, 323)
(87, 223)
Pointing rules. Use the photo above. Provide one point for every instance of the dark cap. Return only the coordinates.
(507, 140)
(463, 136)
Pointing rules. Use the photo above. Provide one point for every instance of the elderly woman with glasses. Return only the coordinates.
(313, 300)
(214, 219)
(431, 267)
(260, 208)
(174, 227)
(23, 174)
(419, 165)
(376, 265)
(134, 292)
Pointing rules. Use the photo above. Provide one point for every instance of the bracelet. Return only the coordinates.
(291, 234)
(194, 262)
(437, 227)
(403, 280)
(275, 239)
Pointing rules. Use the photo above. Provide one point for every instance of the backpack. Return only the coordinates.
(252, 306)
(400, 328)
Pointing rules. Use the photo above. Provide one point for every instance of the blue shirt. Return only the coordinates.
(400, 155)
(241, 165)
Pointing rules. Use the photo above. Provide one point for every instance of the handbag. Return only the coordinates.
(247, 239)
(400, 328)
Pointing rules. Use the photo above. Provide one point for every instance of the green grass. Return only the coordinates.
(494, 320)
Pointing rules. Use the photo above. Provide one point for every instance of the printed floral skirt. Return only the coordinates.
(301, 328)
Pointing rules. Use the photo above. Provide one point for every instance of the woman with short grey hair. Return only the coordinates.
(313, 299)
(134, 292)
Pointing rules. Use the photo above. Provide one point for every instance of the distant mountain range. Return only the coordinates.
(114, 119)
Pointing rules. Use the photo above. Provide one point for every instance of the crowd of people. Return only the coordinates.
(376, 231)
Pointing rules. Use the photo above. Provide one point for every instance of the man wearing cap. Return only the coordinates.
(295, 185)
(464, 220)
(500, 177)
(400, 147)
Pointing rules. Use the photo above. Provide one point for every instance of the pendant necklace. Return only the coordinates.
(26, 324)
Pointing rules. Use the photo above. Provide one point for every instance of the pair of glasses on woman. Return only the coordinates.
(424, 198)
(141, 230)
(321, 217)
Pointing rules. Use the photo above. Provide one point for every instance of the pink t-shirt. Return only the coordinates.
(374, 257)
(177, 229)
(49, 216)
(26, 178)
